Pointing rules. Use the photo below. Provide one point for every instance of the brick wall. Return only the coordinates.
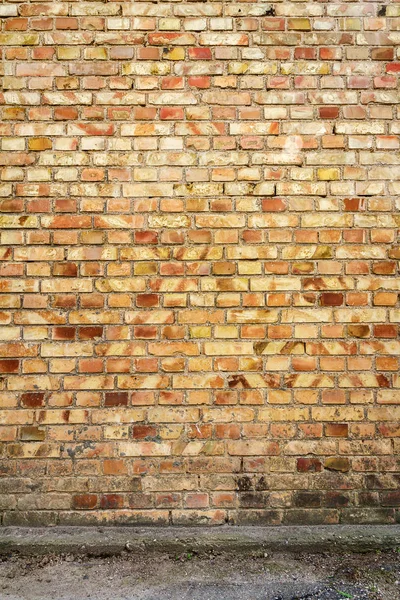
(199, 281)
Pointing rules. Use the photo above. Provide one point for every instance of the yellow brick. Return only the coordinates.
(299, 24)
(174, 54)
(200, 332)
(68, 53)
(328, 174)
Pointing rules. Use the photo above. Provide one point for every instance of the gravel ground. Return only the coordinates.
(154, 576)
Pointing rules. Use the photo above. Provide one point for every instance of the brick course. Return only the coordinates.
(199, 281)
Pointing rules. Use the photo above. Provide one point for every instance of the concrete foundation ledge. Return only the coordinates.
(107, 541)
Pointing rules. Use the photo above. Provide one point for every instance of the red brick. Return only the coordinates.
(116, 399)
(109, 501)
(64, 333)
(140, 432)
(147, 300)
(307, 465)
(32, 399)
(173, 114)
(331, 299)
(336, 429)
(89, 333)
(9, 365)
(84, 501)
(328, 112)
(200, 54)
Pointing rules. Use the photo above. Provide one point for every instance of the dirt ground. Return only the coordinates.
(154, 576)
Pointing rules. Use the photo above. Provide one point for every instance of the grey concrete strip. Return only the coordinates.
(108, 541)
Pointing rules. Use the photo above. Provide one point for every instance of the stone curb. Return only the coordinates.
(108, 541)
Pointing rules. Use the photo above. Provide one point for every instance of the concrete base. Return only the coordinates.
(108, 541)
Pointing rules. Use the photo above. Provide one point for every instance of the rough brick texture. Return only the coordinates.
(199, 280)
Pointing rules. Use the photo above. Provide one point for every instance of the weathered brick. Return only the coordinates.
(198, 231)
(84, 501)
